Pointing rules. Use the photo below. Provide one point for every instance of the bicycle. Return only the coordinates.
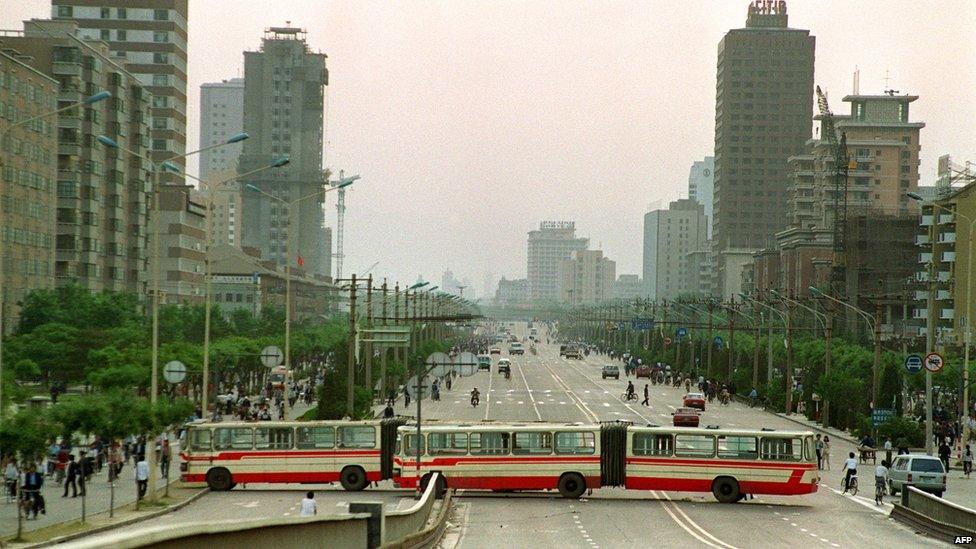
(627, 397)
(851, 487)
(879, 492)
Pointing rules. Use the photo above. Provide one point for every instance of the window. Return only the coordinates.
(357, 437)
(235, 438)
(105, 34)
(161, 15)
(160, 36)
(274, 438)
(581, 443)
(160, 80)
(647, 444)
(737, 447)
(121, 13)
(159, 145)
(160, 58)
(903, 111)
(120, 35)
(106, 13)
(489, 444)
(315, 437)
(160, 101)
(200, 440)
(439, 444)
(159, 123)
(781, 449)
(532, 444)
(922, 465)
(65, 11)
(694, 446)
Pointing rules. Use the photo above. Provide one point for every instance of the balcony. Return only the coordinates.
(921, 239)
(946, 219)
(925, 257)
(926, 221)
(947, 314)
(947, 238)
(63, 68)
(949, 257)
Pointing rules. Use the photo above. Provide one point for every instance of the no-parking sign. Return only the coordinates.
(934, 362)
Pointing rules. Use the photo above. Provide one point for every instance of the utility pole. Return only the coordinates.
(711, 337)
(930, 334)
(789, 358)
(351, 360)
(383, 350)
(755, 351)
(828, 359)
(876, 374)
(731, 336)
(368, 348)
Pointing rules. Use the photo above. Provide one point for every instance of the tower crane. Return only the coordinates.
(340, 217)
(840, 175)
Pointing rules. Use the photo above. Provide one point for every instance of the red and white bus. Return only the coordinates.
(572, 458)
(223, 455)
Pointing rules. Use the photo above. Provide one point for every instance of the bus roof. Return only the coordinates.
(327, 423)
(547, 426)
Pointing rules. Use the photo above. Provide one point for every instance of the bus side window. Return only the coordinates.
(737, 447)
(577, 443)
(200, 440)
(532, 444)
(648, 444)
(410, 444)
(781, 449)
(273, 438)
(694, 445)
(315, 438)
(489, 444)
(233, 438)
(356, 436)
(455, 444)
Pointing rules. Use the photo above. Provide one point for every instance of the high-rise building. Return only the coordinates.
(669, 235)
(764, 102)
(28, 165)
(102, 192)
(628, 287)
(221, 116)
(284, 85)
(701, 186)
(586, 277)
(511, 292)
(548, 246)
(182, 238)
(151, 36)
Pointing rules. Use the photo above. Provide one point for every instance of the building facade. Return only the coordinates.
(512, 291)
(669, 235)
(764, 102)
(701, 186)
(237, 292)
(151, 37)
(221, 116)
(548, 246)
(586, 277)
(284, 86)
(628, 287)
(102, 192)
(28, 167)
(182, 244)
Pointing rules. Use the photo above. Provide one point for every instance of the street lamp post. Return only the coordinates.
(91, 100)
(827, 345)
(291, 208)
(208, 271)
(157, 169)
(769, 343)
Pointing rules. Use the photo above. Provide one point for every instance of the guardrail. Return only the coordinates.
(935, 516)
(366, 525)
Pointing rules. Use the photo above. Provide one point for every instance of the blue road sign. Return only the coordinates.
(682, 332)
(718, 341)
(880, 416)
(913, 363)
(642, 324)
(621, 326)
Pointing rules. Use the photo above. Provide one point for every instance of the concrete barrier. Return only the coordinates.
(431, 534)
(400, 524)
(935, 516)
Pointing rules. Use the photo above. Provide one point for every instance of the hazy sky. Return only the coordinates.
(472, 121)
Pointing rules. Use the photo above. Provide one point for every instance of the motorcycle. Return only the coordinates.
(474, 401)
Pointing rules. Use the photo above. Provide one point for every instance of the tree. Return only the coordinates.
(26, 434)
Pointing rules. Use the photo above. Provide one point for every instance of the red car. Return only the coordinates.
(694, 400)
(643, 370)
(685, 417)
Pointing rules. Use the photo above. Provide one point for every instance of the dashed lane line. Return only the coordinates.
(528, 391)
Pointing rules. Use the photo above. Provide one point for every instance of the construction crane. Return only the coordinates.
(840, 175)
(951, 173)
(340, 218)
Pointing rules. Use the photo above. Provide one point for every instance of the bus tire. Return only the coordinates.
(219, 479)
(572, 485)
(726, 489)
(353, 479)
(439, 489)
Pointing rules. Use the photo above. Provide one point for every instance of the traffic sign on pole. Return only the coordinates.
(271, 356)
(667, 341)
(682, 332)
(934, 362)
(913, 363)
(718, 341)
(174, 371)
(880, 416)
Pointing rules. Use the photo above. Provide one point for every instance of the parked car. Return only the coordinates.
(494, 351)
(644, 370)
(484, 362)
(694, 400)
(611, 370)
(504, 365)
(919, 470)
(686, 417)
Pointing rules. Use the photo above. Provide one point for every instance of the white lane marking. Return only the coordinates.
(607, 404)
(680, 523)
(286, 514)
(488, 399)
(535, 406)
(869, 503)
(696, 525)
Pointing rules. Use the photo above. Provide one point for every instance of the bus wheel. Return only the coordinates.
(726, 490)
(439, 489)
(219, 479)
(572, 485)
(353, 479)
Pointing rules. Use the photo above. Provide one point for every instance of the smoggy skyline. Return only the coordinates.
(470, 122)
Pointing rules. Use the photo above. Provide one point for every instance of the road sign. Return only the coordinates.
(174, 371)
(271, 356)
(621, 326)
(642, 324)
(386, 336)
(466, 363)
(439, 364)
(718, 341)
(934, 362)
(667, 341)
(913, 363)
(682, 332)
(880, 416)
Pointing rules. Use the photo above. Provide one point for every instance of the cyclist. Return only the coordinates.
(850, 470)
(880, 481)
(725, 398)
(753, 396)
(475, 396)
(631, 395)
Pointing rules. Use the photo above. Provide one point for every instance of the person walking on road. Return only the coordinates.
(308, 508)
(826, 453)
(967, 461)
(818, 446)
(646, 401)
(944, 452)
(388, 411)
(888, 448)
(10, 474)
(142, 476)
(71, 480)
(32, 492)
(166, 456)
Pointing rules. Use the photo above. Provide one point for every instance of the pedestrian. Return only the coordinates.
(887, 448)
(967, 461)
(165, 457)
(448, 382)
(10, 474)
(826, 453)
(647, 393)
(142, 476)
(406, 398)
(309, 508)
(71, 480)
(52, 457)
(391, 398)
(388, 411)
(944, 452)
(32, 491)
(818, 446)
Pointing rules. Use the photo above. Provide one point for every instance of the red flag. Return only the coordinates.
(301, 262)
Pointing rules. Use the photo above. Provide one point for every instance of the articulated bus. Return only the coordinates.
(572, 458)
(225, 454)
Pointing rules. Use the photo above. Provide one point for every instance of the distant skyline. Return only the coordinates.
(472, 121)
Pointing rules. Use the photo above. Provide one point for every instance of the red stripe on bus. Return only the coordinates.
(230, 456)
(302, 477)
(720, 462)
